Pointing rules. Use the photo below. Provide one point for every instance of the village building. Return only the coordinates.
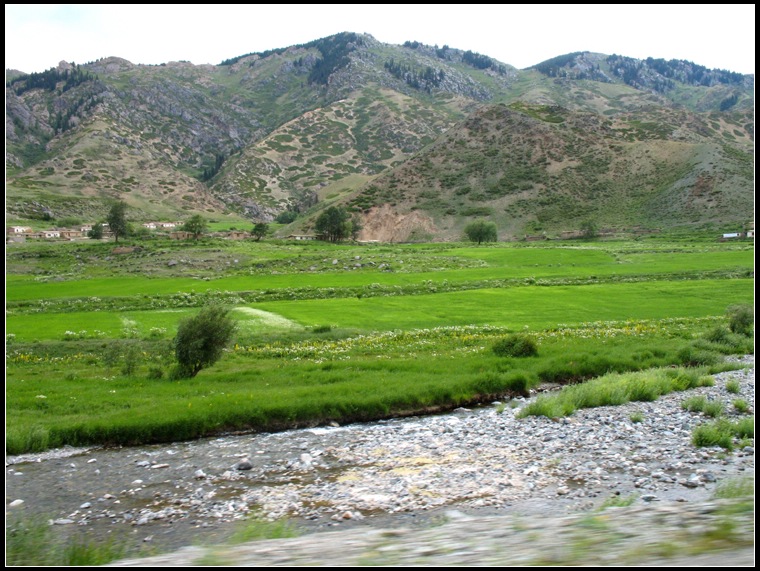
(16, 230)
(71, 233)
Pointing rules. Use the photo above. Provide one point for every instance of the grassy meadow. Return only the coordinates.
(344, 332)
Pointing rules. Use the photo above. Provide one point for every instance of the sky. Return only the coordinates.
(39, 36)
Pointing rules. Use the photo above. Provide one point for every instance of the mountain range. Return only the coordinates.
(415, 140)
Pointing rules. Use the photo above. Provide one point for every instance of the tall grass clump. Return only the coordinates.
(744, 427)
(501, 383)
(694, 404)
(258, 528)
(32, 439)
(741, 406)
(684, 379)
(618, 502)
(612, 389)
(31, 542)
(520, 382)
(518, 345)
(735, 488)
(733, 387)
(713, 409)
(694, 355)
(710, 408)
(722, 339)
(741, 319)
(721, 432)
(321, 329)
(716, 433)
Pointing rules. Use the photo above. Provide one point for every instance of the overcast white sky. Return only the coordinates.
(38, 36)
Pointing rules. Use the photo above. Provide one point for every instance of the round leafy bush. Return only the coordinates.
(741, 319)
(516, 346)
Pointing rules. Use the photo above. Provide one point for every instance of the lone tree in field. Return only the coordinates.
(260, 230)
(117, 220)
(481, 231)
(196, 225)
(201, 340)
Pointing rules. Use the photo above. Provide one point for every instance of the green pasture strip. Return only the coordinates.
(669, 258)
(55, 402)
(706, 260)
(153, 324)
(502, 263)
(532, 306)
(94, 324)
(536, 307)
(531, 257)
(201, 299)
(20, 288)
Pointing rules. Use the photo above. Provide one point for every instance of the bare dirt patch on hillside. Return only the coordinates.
(385, 224)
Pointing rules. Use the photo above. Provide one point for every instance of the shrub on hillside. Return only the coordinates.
(516, 346)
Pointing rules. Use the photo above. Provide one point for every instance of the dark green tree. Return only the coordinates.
(196, 225)
(201, 340)
(260, 230)
(334, 224)
(589, 229)
(481, 231)
(96, 232)
(356, 226)
(286, 217)
(117, 220)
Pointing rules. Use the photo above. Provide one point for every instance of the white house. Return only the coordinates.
(19, 230)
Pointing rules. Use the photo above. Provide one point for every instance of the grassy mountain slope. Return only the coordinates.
(417, 138)
(532, 169)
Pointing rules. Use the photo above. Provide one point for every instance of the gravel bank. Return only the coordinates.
(673, 535)
(399, 478)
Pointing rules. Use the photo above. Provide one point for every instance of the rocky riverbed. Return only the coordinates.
(412, 473)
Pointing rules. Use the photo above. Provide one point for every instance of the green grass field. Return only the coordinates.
(341, 333)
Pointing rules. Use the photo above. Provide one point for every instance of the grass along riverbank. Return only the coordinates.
(96, 397)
